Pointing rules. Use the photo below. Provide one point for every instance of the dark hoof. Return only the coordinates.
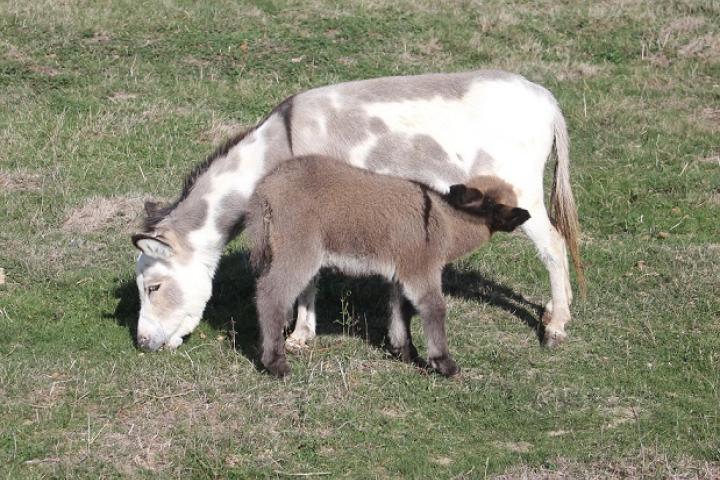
(278, 367)
(445, 366)
(407, 353)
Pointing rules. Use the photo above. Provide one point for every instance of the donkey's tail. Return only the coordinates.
(259, 216)
(563, 202)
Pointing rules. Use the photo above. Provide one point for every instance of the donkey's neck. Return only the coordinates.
(207, 216)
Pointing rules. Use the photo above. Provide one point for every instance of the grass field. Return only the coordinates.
(106, 103)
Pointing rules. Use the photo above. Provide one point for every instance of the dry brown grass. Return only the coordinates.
(220, 130)
(20, 181)
(705, 47)
(647, 464)
(121, 213)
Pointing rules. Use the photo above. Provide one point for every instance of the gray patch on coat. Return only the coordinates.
(167, 298)
(230, 215)
(378, 126)
(344, 127)
(277, 133)
(191, 214)
(423, 159)
(482, 163)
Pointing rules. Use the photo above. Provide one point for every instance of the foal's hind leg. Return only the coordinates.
(401, 312)
(305, 325)
(552, 251)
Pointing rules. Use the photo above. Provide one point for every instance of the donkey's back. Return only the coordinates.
(437, 129)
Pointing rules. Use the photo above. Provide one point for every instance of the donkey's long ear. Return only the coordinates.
(151, 208)
(507, 219)
(462, 196)
(152, 246)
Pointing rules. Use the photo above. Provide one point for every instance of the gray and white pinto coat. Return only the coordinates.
(362, 223)
(436, 129)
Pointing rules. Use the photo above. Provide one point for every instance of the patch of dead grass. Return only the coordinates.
(20, 181)
(714, 197)
(713, 159)
(682, 25)
(517, 447)
(100, 213)
(99, 37)
(422, 52)
(441, 460)
(220, 130)
(620, 415)
(645, 465)
(15, 54)
(121, 96)
(712, 115)
(393, 413)
(705, 47)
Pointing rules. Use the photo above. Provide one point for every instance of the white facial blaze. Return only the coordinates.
(175, 308)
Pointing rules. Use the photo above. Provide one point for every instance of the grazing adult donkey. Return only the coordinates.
(438, 129)
(316, 212)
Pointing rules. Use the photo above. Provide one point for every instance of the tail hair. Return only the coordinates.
(563, 202)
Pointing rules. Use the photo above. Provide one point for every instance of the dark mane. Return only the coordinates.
(155, 214)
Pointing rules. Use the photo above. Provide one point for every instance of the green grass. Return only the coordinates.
(104, 102)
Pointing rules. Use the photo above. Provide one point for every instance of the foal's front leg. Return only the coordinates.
(274, 308)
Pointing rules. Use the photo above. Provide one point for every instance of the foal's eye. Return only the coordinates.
(153, 288)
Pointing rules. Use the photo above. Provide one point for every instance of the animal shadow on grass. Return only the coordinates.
(345, 306)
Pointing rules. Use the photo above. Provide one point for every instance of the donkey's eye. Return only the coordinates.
(154, 288)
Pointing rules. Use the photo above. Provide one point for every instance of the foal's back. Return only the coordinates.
(347, 209)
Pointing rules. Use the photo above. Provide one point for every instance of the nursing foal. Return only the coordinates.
(315, 212)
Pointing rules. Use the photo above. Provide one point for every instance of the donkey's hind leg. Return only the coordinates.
(552, 251)
(305, 324)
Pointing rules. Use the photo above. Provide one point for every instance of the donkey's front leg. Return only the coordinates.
(305, 324)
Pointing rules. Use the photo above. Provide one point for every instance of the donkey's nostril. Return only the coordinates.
(143, 341)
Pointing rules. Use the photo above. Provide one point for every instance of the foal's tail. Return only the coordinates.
(563, 202)
(258, 218)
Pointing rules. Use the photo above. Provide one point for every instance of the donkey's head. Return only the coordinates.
(174, 288)
(491, 200)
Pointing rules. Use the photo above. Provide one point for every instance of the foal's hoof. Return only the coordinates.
(407, 353)
(552, 337)
(278, 367)
(445, 366)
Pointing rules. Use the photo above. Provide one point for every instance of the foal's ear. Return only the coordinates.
(462, 196)
(152, 246)
(507, 219)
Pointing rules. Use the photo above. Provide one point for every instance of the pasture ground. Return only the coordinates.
(105, 103)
